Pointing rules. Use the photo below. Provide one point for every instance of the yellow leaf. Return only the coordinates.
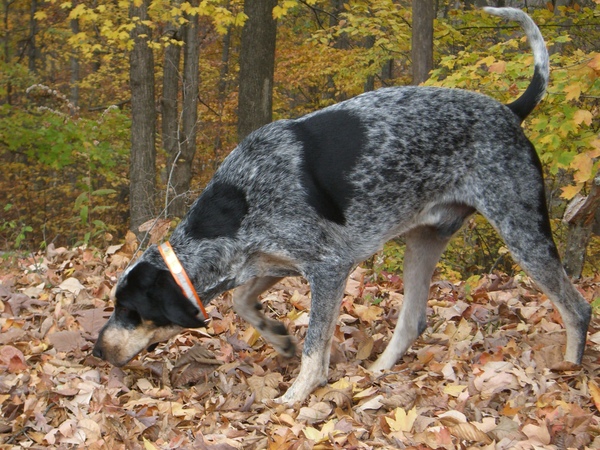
(583, 166)
(595, 392)
(149, 445)
(368, 313)
(596, 146)
(402, 421)
(582, 116)
(488, 61)
(313, 434)
(573, 91)
(278, 13)
(568, 192)
(250, 336)
(342, 383)
(454, 390)
(40, 15)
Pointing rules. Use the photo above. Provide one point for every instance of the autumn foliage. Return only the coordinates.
(485, 374)
(65, 111)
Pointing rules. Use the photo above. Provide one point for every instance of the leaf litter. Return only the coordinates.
(486, 374)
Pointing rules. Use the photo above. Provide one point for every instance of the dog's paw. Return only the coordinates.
(287, 347)
(291, 397)
(380, 365)
(277, 335)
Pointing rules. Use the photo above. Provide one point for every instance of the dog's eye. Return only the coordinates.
(121, 310)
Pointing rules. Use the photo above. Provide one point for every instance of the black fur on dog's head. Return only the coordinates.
(150, 307)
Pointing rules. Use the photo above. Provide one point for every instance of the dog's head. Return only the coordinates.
(149, 308)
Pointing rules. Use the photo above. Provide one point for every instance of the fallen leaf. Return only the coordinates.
(469, 432)
(13, 359)
(72, 285)
(595, 393)
(65, 341)
(314, 413)
(402, 420)
(265, 387)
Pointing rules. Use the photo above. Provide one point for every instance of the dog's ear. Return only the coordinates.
(141, 276)
(175, 307)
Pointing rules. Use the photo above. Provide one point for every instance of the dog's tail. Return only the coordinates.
(537, 88)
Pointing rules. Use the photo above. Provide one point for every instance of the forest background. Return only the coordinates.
(72, 74)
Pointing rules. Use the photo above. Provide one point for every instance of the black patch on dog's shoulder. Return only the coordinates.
(218, 212)
(152, 294)
(332, 142)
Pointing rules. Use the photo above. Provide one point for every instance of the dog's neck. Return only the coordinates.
(213, 265)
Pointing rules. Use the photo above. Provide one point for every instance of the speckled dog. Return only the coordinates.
(317, 195)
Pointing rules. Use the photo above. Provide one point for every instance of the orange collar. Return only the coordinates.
(180, 275)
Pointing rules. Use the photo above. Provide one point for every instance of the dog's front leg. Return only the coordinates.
(327, 289)
(245, 302)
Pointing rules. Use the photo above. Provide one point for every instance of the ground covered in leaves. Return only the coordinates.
(486, 373)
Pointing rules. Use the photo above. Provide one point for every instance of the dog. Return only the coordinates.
(316, 196)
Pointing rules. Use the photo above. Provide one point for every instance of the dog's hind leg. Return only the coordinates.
(245, 303)
(327, 289)
(522, 220)
(424, 247)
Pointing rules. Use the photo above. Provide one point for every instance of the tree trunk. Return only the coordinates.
(422, 39)
(32, 50)
(580, 217)
(257, 66)
(74, 97)
(222, 86)
(170, 110)
(7, 34)
(181, 164)
(143, 123)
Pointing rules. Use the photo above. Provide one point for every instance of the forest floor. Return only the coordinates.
(486, 373)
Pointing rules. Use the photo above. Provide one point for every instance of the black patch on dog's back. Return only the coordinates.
(332, 142)
(218, 212)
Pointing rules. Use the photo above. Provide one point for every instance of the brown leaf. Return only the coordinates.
(469, 432)
(365, 348)
(265, 388)
(65, 341)
(92, 320)
(314, 413)
(199, 354)
(158, 229)
(13, 359)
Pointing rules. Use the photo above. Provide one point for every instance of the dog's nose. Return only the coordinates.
(97, 352)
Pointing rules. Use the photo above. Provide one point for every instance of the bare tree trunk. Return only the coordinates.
(341, 42)
(143, 123)
(257, 66)
(181, 165)
(222, 86)
(422, 39)
(580, 217)
(6, 7)
(170, 108)
(32, 50)
(74, 97)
